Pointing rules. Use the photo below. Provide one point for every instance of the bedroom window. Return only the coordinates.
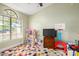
(10, 26)
(1, 28)
(16, 28)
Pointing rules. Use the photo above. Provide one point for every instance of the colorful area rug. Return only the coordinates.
(27, 50)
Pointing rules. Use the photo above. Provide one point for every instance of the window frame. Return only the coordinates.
(10, 18)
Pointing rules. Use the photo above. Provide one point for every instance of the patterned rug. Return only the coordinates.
(27, 50)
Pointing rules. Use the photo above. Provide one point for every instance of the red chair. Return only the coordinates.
(63, 44)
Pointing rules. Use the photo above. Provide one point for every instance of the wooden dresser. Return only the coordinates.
(49, 42)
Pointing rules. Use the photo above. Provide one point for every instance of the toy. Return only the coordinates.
(63, 44)
(31, 36)
(59, 34)
(77, 53)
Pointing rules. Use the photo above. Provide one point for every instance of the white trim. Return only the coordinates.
(10, 46)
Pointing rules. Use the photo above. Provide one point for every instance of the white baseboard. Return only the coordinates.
(3, 49)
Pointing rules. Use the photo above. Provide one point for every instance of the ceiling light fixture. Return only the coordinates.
(40, 4)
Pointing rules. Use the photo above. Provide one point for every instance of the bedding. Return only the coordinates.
(27, 50)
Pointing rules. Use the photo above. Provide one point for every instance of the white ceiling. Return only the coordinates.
(27, 8)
